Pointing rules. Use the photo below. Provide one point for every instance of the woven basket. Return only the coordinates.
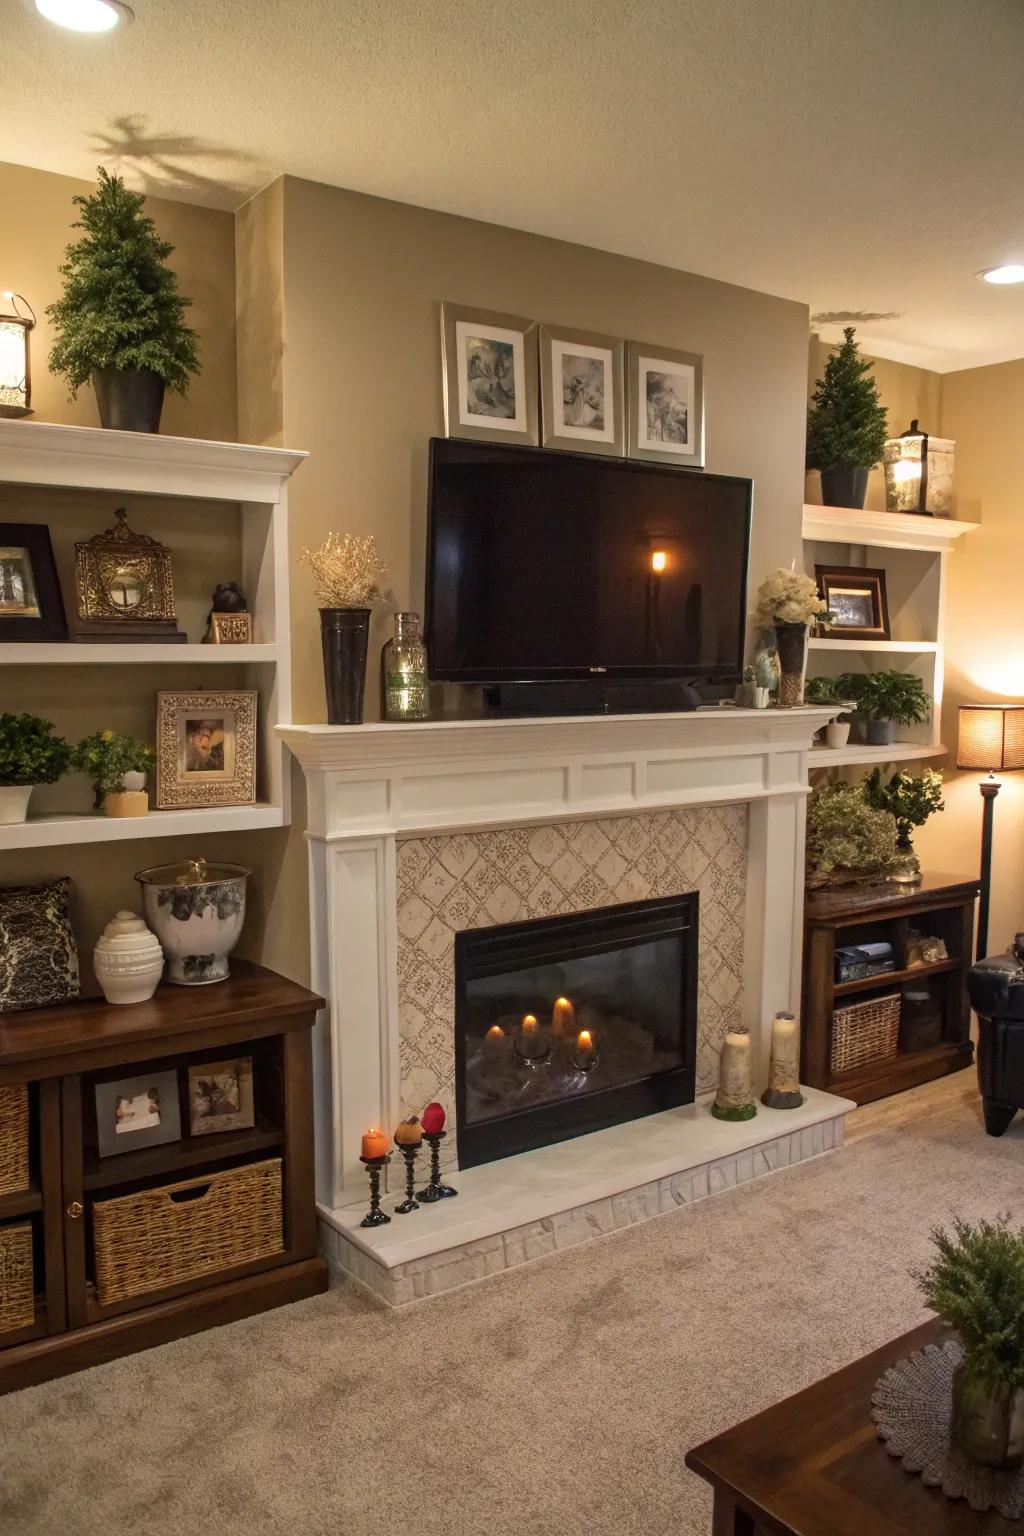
(865, 1032)
(17, 1299)
(13, 1139)
(167, 1236)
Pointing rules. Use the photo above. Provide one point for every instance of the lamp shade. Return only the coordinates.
(991, 737)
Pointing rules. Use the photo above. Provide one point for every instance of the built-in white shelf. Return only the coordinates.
(71, 655)
(883, 530)
(852, 754)
(61, 830)
(883, 647)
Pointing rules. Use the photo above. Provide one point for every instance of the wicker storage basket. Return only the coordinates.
(17, 1299)
(180, 1232)
(13, 1139)
(865, 1032)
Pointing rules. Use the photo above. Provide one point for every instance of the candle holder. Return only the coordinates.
(435, 1190)
(410, 1203)
(375, 1217)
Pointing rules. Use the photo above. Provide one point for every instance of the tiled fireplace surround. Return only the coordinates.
(417, 832)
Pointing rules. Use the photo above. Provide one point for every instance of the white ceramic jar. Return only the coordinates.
(128, 960)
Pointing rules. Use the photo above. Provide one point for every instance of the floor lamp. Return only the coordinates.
(991, 737)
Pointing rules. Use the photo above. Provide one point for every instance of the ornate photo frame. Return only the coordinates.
(205, 749)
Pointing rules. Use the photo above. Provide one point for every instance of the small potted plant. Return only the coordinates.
(348, 574)
(117, 767)
(826, 690)
(976, 1285)
(847, 839)
(887, 699)
(911, 799)
(30, 754)
(120, 322)
(846, 426)
(788, 602)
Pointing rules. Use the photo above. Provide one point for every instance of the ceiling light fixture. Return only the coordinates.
(86, 15)
(1014, 273)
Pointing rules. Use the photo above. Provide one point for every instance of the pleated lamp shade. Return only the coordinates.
(991, 737)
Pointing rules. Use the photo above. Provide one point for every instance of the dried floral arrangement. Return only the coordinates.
(847, 839)
(347, 570)
(789, 597)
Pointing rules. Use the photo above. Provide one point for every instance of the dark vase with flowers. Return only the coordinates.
(344, 634)
(791, 644)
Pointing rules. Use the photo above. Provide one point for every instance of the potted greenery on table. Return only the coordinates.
(846, 426)
(120, 321)
(30, 754)
(117, 767)
(886, 699)
(911, 799)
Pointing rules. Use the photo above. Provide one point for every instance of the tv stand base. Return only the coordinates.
(596, 697)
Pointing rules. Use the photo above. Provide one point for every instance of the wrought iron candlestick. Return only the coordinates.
(435, 1190)
(375, 1217)
(410, 1203)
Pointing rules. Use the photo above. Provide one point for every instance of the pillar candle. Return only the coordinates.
(433, 1118)
(783, 1091)
(562, 1016)
(735, 1097)
(375, 1143)
(409, 1133)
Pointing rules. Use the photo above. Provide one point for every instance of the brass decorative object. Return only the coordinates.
(230, 628)
(124, 586)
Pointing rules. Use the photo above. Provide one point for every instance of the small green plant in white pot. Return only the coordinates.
(30, 754)
(117, 767)
(825, 690)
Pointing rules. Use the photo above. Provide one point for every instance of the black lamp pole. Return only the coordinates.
(989, 789)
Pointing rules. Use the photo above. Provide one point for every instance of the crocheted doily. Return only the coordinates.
(912, 1405)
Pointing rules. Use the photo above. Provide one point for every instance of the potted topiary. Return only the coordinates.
(846, 426)
(117, 766)
(120, 321)
(887, 699)
(976, 1284)
(911, 799)
(847, 840)
(30, 754)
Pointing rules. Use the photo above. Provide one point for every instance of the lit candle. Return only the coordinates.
(584, 1054)
(409, 1133)
(529, 1023)
(433, 1118)
(783, 1091)
(494, 1042)
(563, 1016)
(529, 1044)
(659, 560)
(375, 1143)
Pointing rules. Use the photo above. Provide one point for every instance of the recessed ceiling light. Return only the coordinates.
(86, 15)
(1014, 273)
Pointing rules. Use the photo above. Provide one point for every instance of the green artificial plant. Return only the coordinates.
(888, 695)
(29, 751)
(120, 307)
(847, 839)
(909, 797)
(976, 1284)
(846, 422)
(107, 756)
(826, 690)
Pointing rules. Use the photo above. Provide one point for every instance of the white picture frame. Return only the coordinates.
(666, 405)
(489, 375)
(582, 391)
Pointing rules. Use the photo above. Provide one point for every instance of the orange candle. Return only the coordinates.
(584, 1053)
(375, 1143)
(563, 1016)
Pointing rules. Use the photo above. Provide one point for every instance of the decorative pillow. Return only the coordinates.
(38, 954)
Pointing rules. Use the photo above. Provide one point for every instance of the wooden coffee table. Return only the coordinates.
(813, 1466)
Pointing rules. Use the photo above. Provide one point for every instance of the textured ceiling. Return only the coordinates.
(864, 156)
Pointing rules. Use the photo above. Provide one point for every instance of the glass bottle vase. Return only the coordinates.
(403, 671)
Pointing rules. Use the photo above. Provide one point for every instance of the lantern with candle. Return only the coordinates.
(15, 361)
(919, 473)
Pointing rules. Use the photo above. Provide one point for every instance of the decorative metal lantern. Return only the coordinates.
(919, 473)
(15, 370)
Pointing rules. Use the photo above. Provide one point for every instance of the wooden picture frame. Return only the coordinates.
(582, 391)
(489, 373)
(857, 596)
(205, 748)
(31, 605)
(220, 1096)
(666, 405)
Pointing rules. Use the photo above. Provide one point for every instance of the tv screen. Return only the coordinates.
(544, 565)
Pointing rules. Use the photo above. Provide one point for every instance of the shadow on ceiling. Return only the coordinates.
(170, 163)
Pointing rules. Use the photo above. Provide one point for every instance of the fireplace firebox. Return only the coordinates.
(569, 1024)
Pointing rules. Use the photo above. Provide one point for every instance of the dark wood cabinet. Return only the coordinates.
(62, 1054)
(940, 907)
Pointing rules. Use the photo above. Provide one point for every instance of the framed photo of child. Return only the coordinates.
(220, 1096)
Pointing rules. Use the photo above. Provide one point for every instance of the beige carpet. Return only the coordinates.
(558, 1398)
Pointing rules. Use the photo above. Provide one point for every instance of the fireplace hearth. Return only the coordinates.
(569, 1024)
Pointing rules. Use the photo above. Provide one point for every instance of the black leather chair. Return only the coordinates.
(996, 989)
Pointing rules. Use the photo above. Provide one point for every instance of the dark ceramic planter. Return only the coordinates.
(881, 733)
(345, 633)
(844, 485)
(130, 399)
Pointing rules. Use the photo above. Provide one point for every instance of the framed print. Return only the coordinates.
(666, 405)
(31, 607)
(205, 749)
(581, 391)
(856, 599)
(134, 1112)
(220, 1096)
(489, 368)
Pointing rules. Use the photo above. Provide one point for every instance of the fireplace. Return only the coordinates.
(568, 1024)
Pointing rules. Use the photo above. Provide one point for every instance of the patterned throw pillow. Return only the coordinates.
(38, 955)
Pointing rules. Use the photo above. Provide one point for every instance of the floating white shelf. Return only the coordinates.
(853, 753)
(890, 647)
(883, 530)
(70, 654)
(59, 831)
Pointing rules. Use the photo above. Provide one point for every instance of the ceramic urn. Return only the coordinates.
(128, 959)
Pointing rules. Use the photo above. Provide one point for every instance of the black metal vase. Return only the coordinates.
(129, 399)
(844, 485)
(345, 633)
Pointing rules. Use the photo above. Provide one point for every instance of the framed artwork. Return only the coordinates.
(205, 749)
(857, 601)
(134, 1112)
(220, 1096)
(581, 391)
(666, 405)
(31, 607)
(489, 368)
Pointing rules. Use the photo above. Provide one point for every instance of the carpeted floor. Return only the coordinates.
(558, 1398)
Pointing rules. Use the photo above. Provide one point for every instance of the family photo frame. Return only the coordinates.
(857, 602)
(136, 1112)
(205, 749)
(31, 606)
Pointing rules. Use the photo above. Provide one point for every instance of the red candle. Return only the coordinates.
(409, 1132)
(375, 1143)
(433, 1118)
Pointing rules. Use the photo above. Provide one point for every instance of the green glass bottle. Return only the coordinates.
(403, 670)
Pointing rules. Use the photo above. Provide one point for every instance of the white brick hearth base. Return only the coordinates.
(555, 1198)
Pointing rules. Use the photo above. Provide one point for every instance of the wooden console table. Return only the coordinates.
(62, 1054)
(814, 1466)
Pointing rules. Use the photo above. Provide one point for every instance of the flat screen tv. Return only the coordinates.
(545, 566)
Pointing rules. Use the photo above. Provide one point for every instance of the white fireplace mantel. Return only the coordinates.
(369, 784)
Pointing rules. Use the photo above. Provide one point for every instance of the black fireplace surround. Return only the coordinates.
(569, 1024)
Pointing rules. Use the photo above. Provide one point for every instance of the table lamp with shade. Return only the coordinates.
(991, 738)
